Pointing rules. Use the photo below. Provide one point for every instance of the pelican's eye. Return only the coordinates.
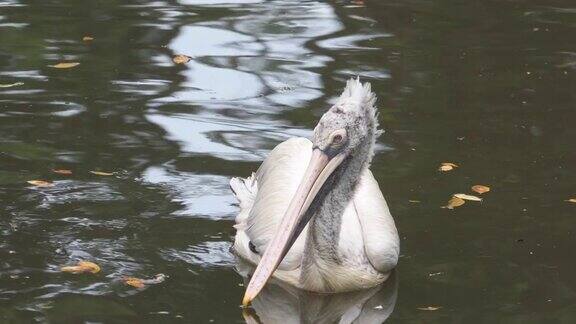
(338, 137)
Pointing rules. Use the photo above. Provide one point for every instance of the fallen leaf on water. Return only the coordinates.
(134, 282)
(447, 166)
(414, 201)
(454, 202)
(82, 267)
(62, 171)
(65, 65)
(40, 183)
(181, 59)
(467, 197)
(430, 308)
(141, 283)
(572, 200)
(9, 85)
(480, 189)
(100, 173)
(87, 38)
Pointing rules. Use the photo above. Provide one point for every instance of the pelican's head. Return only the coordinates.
(351, 123)
(348, 129)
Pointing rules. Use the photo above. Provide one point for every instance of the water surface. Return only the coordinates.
(488, 85)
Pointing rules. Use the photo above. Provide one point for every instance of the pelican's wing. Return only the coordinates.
(264, 198)
(381, 241)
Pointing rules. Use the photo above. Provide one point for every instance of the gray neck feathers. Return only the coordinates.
(327, 209)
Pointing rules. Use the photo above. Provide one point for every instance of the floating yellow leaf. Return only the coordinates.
(9, 85)
(181, 59)
(87, 38)
(62, 171)
(430, 308)
(447, 166)
(141, 283)
(480, 189)
(82, 267)
(454, 202)
(65, 65)
(572, 200)
(467, 197)
(40, 183)
(134, 282)
(100, 173)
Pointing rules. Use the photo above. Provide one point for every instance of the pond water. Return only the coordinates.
(488, 85)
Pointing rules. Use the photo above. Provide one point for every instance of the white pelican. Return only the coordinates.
(313, 215)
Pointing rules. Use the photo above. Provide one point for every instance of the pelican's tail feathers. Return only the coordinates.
(245, 190)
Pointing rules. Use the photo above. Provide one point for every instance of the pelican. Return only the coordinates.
(312, 215)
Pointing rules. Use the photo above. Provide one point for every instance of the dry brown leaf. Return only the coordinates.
(454, 202)
(40, 183)
(480, 189)
(100, 173)
(65, 65)
(430, 308)
(141, 283)
(467, 197)
(447, 166)
(572, 200)
(10, 85)
(134, 282)
(62, 171)
(82, 267)
(181, 59)
(87, 38)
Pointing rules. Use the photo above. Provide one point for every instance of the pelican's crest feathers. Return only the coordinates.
(358, 96)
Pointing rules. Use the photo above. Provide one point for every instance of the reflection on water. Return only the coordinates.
(281, 303)
(488, 85)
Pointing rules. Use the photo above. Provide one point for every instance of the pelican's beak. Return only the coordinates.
(319, 169)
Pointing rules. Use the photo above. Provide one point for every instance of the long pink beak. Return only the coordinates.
(319, 169)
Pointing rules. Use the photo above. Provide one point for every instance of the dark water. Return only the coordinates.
(489, 85)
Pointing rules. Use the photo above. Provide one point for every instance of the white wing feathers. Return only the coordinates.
(381, 242)
(245, 190)
(277, 180)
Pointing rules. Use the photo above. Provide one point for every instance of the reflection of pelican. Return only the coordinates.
(351, 242)
(281, 303)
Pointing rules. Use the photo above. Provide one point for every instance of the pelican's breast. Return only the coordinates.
(367, 247)
(351, 241)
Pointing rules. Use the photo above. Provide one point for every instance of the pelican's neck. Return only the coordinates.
(327, 210)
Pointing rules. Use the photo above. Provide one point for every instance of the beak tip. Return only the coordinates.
(246, 300)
